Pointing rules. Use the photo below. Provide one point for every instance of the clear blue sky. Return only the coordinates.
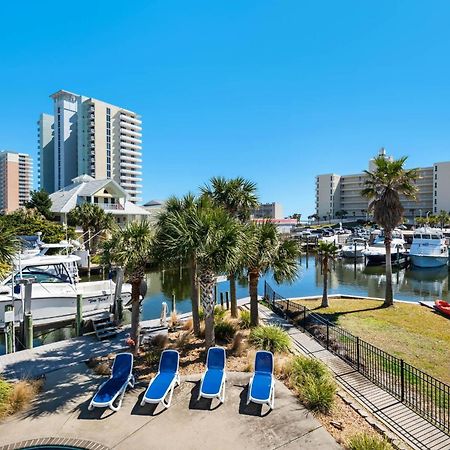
(277, 91)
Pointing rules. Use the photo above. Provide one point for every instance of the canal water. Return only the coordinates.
(346, 277)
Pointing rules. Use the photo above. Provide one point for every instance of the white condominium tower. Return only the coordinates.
(342, 193)
(16, 180)
(88, 136)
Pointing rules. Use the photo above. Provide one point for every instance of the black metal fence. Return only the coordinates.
(426, 395)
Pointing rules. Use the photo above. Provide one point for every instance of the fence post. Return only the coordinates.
(227, 300)
(357, 353)
(304, 317)
(221, 299)
(328, 334)
(273, 300)
(287, 305)
(402, 378)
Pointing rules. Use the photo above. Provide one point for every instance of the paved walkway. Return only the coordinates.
(412, 429)
(61, 411)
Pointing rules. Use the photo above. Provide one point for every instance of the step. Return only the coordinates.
(106, 335)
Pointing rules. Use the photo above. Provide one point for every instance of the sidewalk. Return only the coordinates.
(409, 426)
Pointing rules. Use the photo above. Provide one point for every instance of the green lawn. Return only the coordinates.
(415, 333)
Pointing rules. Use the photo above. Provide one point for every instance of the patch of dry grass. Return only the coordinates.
(414, 333)
(15, 397)
(102, 368)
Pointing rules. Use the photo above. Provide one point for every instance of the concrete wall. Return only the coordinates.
(442, 187)
(46, 153)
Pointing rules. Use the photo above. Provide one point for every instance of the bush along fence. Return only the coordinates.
(421, 392)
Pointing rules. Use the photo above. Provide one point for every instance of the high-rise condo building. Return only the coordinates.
(268, 211)
(88, 136)
(16, 180)
(342, 193)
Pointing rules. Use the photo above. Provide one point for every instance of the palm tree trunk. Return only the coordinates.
(195, 297)
(135, 313)
(253, 289)
(325, 303)
(232, 279)
(389, 297)
(207, 282)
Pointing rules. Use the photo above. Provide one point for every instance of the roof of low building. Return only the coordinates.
(67, 198)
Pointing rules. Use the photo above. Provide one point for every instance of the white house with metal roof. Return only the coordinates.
(105, 193)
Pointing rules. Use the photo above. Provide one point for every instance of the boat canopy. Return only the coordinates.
(46, 260)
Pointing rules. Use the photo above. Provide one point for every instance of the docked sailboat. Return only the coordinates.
(429, 248)
(376, 252)
(55, 289)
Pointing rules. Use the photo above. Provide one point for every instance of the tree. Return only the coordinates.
(341, 213)
(421, 221)
(296, 216)
(383, 188)
(327, 252)
(41, 201)
(238, 197)
(214, 237)
(188, 206)
(266, 251)
(131, 248)
(314, 217)
(443, 218)
(92, 219)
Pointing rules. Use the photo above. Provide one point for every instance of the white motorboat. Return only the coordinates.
(376, 252)
(354, 248)
(55, 289)
(428, 248)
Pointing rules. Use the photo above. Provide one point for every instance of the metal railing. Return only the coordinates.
(424, 394)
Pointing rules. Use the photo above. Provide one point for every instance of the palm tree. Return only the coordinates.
(443, 218)
(266, 251)
(238, 197)
(215, 238)
(383, 187)
(327, 252)
(131, 248)
(92, 220)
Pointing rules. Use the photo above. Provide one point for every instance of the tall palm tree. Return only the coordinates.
(131, 248)
(383, 188)
(237, 196)
(214, 237)
(266, 251)
(327, 252)
(187, 205)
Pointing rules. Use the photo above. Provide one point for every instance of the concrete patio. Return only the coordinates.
(61, 412)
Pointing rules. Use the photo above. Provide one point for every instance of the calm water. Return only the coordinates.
(346, 278)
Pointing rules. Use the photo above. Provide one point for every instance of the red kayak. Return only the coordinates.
(442, 306)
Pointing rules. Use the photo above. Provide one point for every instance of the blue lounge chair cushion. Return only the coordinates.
(216, 358)
(109, 390)
(212, 381)
(261, 385)
(160, 385)
(169, 362)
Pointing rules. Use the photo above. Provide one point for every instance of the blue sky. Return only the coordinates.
(277, 91)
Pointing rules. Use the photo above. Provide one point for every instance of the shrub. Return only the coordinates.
(250, 361)
(152, 356)
(238, 346)
(365, 441)
(313, 382)
(183, 339)
(224, 330)
(282, 367)
(173, 321)
(160, 341)
(244, 319)
(16, 396)
(188, 324)
(219, 313)
(102, 368)
(319, 393)
(271, 338)
(201, 315)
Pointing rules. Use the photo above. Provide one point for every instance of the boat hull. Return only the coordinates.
(380, 259)
(427, 262)
(56, 307)
(443, 307)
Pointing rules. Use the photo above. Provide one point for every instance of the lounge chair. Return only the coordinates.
(115, 387)
(165, 380)
(261, 388)
(212, 384)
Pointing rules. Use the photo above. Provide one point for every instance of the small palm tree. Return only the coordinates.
(266, 251)
(443, 218)
(9, 245)
(131, 248)
(214, 237)
(327, 252)
(185, 206)
(238, 197)
(383, 188)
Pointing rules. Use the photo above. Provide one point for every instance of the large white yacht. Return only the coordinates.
(55, 290)
(376, 252)
(428, 248)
